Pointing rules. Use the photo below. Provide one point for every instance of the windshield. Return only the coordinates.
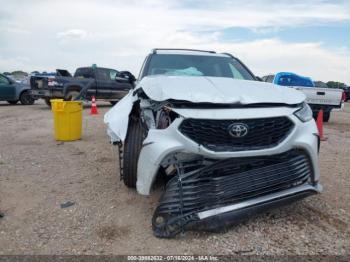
(197, 65)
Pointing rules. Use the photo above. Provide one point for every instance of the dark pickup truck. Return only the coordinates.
(103, 83)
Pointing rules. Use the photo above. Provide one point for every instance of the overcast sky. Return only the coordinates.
(309, 37)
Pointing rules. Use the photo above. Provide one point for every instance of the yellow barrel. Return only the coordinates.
(68, 119)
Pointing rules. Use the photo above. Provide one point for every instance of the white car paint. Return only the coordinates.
(117, 118)
(221, 90)
(322, 96)
(197, 89)
(160, 143)
(232, 99)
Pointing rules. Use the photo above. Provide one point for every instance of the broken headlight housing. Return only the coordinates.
(304, 113)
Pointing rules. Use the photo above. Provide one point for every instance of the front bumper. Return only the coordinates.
(39, 93)
(214, 189)
(160, 146)
(220, 218)
(226, 216)
(209, 189)
(44, 93)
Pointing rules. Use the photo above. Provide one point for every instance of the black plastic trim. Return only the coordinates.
(224, 220)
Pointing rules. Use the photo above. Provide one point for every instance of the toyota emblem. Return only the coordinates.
(238, 130)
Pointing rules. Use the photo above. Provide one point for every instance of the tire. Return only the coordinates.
(12, 102)
(47, 101)
(326, 116)
(113, 102)
(26, 98)
(131, 152)
(71, 95)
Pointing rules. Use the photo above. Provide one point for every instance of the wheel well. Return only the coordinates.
(20, 93)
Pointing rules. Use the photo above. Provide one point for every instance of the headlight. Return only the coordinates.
(304, 113)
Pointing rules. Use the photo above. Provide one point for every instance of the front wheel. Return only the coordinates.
(72, 95)
(12, 102)
(26, 98)
(132, 148)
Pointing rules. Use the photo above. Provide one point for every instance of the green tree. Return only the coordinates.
(334, 84)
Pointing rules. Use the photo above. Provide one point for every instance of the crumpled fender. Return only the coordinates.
(117, 118)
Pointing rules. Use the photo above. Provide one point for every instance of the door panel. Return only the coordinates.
(7, 90)
(105, 79)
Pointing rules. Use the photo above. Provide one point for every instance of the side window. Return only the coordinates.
(285, 81)
(112, 74)
(4, 80)
(102, 74)
(236, 74)
(84, 73)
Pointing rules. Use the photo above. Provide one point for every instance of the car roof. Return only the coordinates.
(173, 51)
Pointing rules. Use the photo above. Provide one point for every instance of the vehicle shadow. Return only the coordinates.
(9, 105)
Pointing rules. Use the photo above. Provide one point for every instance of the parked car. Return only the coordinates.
(12, 91)
(318, 98)
(346, 94)
(226, 144)
(103, 83)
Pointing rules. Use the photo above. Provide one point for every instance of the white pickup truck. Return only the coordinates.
(317, 98)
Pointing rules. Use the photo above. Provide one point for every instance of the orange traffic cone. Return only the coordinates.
(319, 123)
(93, 106)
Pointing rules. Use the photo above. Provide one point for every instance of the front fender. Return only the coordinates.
(20, 90)
(117, 118)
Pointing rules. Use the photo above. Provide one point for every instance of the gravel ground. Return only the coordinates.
(37, 174)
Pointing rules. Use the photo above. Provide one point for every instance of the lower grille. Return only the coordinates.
(199, 186)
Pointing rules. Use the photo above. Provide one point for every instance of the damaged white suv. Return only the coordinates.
(227, 145)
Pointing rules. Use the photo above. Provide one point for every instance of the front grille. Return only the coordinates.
(214, 134)
(225, 182)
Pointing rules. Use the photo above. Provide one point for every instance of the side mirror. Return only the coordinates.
(121, 79)
(125, 77)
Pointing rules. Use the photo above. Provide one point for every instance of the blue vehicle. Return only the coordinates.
(317, 97)
(12, 91)
(289, 79)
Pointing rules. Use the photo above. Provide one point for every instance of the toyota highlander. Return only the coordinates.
(225, 144)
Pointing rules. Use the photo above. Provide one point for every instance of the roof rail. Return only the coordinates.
(230, 55)
(154, 51)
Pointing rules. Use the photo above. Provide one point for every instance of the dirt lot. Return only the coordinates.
(37, 174)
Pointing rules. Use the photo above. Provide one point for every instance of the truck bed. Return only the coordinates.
(322, 96)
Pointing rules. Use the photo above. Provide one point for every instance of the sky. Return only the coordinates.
(308, 37)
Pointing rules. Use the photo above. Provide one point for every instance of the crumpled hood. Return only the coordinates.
(200, 89)
(197, 89)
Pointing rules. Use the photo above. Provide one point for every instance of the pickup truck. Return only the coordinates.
(317, 98)
(103, 83)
